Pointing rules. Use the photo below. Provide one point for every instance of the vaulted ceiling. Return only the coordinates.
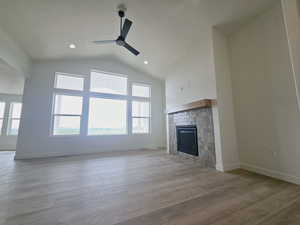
(162, 29)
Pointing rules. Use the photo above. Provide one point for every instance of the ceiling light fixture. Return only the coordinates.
(146, 62)
(72, 46)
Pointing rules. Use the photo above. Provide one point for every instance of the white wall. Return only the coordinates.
(225, 109)
(199, 75)
(8, 142)
(192, 77)
(13, 55)
(34, 139)
(266, 109)
(10, 81)
(11, 90)
(11, 84)
(291, 13)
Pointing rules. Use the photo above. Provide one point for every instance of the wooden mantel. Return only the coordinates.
(204, 103)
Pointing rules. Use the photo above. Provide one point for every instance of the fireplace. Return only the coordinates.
(191, 132)
(187, 140)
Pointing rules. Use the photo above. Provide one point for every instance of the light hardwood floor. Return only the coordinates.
(139, 188)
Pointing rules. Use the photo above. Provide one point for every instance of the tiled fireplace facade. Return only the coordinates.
(201, 118)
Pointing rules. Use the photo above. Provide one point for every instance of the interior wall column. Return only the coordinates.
(292, 23)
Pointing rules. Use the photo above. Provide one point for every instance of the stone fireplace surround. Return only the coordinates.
(200, 115)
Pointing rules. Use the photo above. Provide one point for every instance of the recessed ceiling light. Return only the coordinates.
(146, 62)
(72, 46)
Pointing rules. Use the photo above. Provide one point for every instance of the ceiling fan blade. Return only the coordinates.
(104, 42)
(126, 28)
(131, 49)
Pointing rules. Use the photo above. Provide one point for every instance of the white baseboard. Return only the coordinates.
(36, 155)
(256, 169)
(228, 167)
(7, 147)
(271, 173)
(219, 167)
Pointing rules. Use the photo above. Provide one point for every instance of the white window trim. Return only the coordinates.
(127, 125)
(126, 97)
(143, 85)
(142, 99)
(68, 92)
(86, 94)
(69, 75)
(11, 118)
(142, 117)
(53, 114)
(110, 74)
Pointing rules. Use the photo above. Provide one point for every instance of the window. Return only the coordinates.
(70, 82)
(2, 110)
(141, 112)
(140, 117)
(99, 108)
(107, 117)
(108, 84)
(67, 114)
(141, 90)
(67, 107)
(14, 118)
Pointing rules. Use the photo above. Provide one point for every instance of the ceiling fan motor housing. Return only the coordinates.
(121, 10)
(121, 13)
(120, 41)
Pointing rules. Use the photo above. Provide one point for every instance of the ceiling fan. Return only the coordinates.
(124, 29)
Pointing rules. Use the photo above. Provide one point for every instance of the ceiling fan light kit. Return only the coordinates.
(124, 30)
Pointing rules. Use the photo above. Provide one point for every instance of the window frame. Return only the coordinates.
(53, 114)
(87, 94)
(67, 92)
(142, 85)
(68, 75)
(11, 118)
(93, 94)
(142, 99)
(141, 117)
(109, 74)
(105, 135)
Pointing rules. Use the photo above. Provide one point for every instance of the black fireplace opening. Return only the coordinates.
(187, 140)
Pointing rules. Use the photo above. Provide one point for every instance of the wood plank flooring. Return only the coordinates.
(139, 188)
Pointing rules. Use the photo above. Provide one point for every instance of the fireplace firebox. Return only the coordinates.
(187, 140)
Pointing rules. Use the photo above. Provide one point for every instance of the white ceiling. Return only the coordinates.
(162, 29)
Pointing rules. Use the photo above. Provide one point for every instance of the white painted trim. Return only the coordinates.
(35, 155)
(260, 170)
(143, 85)
(271, 173)
(218, 141)
(219, 167)
(7, 147)
(167, 132)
